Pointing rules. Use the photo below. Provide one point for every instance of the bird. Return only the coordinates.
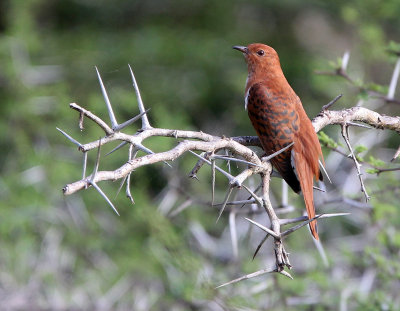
(279, 119)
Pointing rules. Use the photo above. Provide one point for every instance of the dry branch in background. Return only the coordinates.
(214, 147)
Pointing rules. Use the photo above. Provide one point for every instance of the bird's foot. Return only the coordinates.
(282, 257)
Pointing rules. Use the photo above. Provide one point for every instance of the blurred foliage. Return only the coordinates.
(74, 253)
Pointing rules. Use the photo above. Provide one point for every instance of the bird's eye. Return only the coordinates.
(260, 52)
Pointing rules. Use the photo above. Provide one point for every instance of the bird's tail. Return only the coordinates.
(306, 175)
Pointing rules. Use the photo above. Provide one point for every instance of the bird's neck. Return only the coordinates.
(267, 77)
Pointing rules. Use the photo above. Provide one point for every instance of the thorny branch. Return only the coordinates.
(190, 141)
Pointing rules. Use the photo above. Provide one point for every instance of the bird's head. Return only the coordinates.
(260, 57)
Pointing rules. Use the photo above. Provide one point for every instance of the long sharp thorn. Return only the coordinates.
(232, 229)
(321, 251)
(145, 120)
(131, 155)
(128, 189)
(269, 231)
(260, 203)
(147, 150)
(224, 204)
(235, 160)
(259, 245)
(255, 191)
(212, 182)
(96, 165)
(323, 168)
(84, 164)
(228, 163)
(293, 229)
(285, 273)
(359, 125)
(117, 148)
(104, 196)
(121, 185)
(278, 152)
(227, 175)
(393, 81)
(319, 189)
(242, 202)
(114, 123)
(248, 276)
(285, 193)
(129, 122)
(70, 138)
(283, 222)
(345, 60)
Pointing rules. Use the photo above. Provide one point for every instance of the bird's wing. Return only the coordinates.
(275, 120)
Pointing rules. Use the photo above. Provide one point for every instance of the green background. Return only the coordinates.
(74, 253)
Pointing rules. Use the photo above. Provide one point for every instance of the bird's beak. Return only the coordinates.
(242, 49)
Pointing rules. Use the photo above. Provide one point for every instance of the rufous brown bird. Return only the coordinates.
(279, 119)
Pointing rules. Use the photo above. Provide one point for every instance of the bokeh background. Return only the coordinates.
(74, 253)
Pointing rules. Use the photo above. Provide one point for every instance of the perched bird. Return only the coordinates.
(279, 119)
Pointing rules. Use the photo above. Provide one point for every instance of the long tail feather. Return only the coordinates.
(305, 175)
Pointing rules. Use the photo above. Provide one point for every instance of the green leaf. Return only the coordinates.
(359, 149)
(377, 88)
(326, 140)
(363, 95)
(375, 162)
(393, 48)
(372, 171)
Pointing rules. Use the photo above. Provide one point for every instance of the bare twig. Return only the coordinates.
(328, 105)
(396, 155)
(92, 117)
(345, 135)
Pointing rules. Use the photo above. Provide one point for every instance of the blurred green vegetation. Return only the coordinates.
(67, 253)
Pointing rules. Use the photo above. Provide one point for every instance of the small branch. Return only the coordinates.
(358, 114)
(383, 170)
(85, 155)
(345, 135)
(92, 117)
(328, 105)
(396, 155)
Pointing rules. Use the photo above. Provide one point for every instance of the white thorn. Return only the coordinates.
(395, 78)
(345, 60)
(107, 100)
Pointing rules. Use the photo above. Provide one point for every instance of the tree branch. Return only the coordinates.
(189, 141)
